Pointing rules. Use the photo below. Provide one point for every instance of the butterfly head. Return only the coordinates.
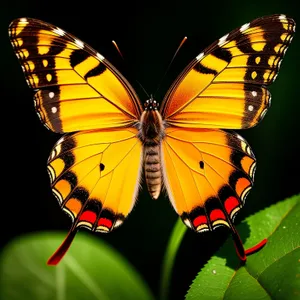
(151, 104)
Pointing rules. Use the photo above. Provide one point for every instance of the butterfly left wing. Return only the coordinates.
(76, 87)
(208, 174)
(225, 85)
(95, 176)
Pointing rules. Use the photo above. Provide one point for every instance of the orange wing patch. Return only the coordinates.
(224, 87)
(78, 89)
(208, 174)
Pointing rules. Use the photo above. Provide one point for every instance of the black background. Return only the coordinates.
(148, 34)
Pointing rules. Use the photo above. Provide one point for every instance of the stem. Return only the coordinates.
(169, 258)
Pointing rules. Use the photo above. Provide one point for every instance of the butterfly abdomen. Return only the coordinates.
(151, 133)
(152, 167)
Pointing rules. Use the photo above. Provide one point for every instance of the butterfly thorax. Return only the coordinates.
(151, 132)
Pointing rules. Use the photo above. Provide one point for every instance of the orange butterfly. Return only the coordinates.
(96, 169)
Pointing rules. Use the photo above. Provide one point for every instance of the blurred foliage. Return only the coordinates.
(174, 243)
(90, 270)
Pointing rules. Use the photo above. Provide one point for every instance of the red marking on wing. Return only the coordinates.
(217, 214)
(88, 216)
(105, 222)
(199, 220)
(231, 203)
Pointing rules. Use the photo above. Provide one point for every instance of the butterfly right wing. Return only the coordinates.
(76, 87)
(225, 86)
(95, 176)
(207, 174)
(205, 171)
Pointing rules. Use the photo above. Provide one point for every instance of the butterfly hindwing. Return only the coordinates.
(208, 174)
(95, 176)
(76, 87)
(225, 86)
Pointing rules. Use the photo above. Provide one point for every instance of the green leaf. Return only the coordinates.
(169, 259)
(90, 270)
(271, 273)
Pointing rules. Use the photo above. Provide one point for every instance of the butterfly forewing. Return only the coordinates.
(208, 174)
(225, 86)
(77, 88)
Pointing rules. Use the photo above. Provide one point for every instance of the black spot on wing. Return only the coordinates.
(93, 205)
(201, 164)
(57, 46)
(71, 178)
(81, 194)
(244, 44)
(223, 54)
(204, 70)
(77, 57)
(96, 71)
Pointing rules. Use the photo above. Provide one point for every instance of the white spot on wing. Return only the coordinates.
(79, 43)
(282, 17)
(187, 223)
(239, 137)
(23, 20)
(59, 31)
(223, 39)
(263, 114)
(54, 109)
(244, 27)
(284, 50)
(118, 223)
(51, 95)
(53, 153)
(101, 57)
(200, 56)
(250, 107)
(60, 140)
(254, 93)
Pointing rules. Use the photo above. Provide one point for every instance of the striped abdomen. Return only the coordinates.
(152, 169)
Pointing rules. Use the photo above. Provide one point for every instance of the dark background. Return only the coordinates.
(148, 34)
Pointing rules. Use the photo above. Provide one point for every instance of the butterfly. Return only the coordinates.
(186, 146)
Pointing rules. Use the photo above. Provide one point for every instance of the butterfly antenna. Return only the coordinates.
(168, 68)
(119, 51)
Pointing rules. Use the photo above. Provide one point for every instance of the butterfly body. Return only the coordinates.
(96, 167)
(151, 133)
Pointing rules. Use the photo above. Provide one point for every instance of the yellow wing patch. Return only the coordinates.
(208, 174)
(78, 89)
(224, 87)
(95, 176)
